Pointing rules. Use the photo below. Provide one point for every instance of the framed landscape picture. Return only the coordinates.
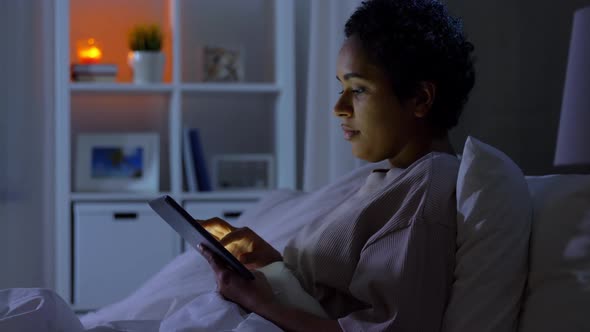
(118, 162)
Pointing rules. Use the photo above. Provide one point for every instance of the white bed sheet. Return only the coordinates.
(187, 282)
(181, 297)
(42, 310)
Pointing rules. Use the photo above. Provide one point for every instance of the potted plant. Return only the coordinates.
(145, 58)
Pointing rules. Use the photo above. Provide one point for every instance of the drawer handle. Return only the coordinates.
(232, 214)
(125, 216)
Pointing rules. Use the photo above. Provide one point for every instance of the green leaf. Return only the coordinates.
(145, 37)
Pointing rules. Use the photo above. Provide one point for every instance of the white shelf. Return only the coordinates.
(231, 87)
(167, 88)
(208, 196)
(100, 197)
(225, 195)
(120, 87)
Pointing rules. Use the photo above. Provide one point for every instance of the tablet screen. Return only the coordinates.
(193, 233)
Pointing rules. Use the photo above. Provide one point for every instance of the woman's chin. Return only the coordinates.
(362, 154)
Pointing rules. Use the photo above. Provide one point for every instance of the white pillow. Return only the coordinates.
(493, 230)
(558, 290)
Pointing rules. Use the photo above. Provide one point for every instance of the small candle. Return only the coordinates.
(89, 51)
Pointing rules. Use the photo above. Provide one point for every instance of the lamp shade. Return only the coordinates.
(573, 139)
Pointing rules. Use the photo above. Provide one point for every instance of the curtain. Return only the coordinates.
(24, 162)
(326, 154)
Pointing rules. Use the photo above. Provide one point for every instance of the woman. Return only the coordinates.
(383, 259)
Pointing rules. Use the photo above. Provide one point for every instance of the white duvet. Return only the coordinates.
(184, 301)
(181, 297)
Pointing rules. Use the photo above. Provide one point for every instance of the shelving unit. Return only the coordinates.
(120, 88)
(255, 115)
(167, 88)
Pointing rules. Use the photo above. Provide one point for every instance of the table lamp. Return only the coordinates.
(573, 140)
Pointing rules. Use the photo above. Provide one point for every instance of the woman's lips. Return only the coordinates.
(349, 133)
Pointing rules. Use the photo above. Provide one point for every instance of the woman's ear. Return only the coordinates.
(424, 99)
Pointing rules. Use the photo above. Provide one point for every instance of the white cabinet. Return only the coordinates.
(117, 247)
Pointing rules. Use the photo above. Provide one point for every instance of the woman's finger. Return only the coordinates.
(248, 258)
(238, 235)
(217, 234)
(212, 259)
(219, 228)
(217, 222)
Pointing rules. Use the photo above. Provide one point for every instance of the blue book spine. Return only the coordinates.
(201, 172)
(189, 165)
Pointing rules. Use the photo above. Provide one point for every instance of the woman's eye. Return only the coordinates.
(358, 91)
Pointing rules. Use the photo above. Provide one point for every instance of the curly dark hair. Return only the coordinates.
(416, 41)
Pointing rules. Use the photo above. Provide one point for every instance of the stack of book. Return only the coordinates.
(195, 166)
(94, 72)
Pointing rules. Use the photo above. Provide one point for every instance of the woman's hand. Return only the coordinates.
(250, 294)
(247, 246)
(257, 296)
(217, 227)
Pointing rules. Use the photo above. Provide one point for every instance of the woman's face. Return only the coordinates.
(373, 119)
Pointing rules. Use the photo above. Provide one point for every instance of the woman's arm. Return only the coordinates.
(257, 296)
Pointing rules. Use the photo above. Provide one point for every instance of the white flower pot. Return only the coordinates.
(147, 66)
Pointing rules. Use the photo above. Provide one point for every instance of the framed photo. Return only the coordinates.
(223, 64)
(243, 172)
(118, 162)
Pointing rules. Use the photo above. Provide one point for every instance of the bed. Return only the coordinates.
(549, 288)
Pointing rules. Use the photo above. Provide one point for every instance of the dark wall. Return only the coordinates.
(522, 49)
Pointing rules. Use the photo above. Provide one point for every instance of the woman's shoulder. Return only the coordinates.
(440, 204)
(423, 194)
(433, 168)
(437, 163)
(430, 183)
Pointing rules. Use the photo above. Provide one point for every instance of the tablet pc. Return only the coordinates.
(193, 233)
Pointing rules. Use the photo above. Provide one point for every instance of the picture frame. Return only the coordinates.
(109, 162)
(223, 64)
(249, 171)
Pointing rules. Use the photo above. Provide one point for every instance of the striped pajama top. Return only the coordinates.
(382, 257)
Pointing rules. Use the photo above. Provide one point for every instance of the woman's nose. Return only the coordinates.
(343, 108)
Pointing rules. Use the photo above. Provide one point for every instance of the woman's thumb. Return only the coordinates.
(248, 257)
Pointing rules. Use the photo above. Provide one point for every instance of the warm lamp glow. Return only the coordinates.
(89, 51)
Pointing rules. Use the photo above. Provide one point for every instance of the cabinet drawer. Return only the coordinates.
(228, 211)
(117, 247)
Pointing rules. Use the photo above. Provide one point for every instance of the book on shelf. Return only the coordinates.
(94, 78)
(95, 68)
(189, 165)
(195, 165)
(94, 72)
